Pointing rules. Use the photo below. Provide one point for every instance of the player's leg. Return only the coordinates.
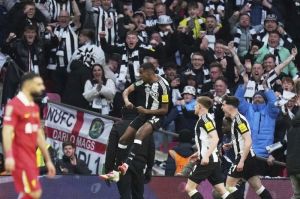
(217, 180)
(128, 136)
(191, 190)
(33, 195)
(260, 190)
(125, 186)
(231, 186)
(145, 130)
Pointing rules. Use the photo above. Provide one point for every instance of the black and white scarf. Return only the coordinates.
(238, 34)
(68, 43)
(150, 21)
(106, 21)
(129, 69)
(143, 37)
(215, 6)
(263, 37)
(55, 7)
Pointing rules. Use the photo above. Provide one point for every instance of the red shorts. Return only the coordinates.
(26, 180)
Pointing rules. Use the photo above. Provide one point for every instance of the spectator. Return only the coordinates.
(70, 164)
(133, 54)
(183, 111)
(99, 91)
(212, 30)
(30, 52)
(88, 53)
(192, 24)
(75, 85)
(271, 24)
(56, 6)
(261, 114)
(102, 18)
(66, 32)
(215, 71)
(28, 16)
(148, 9)
(279, 52)
(112, 66)
(3, 24)
(138, 20)
(198, 69)
(293, 150)
(160, 9)
(179, 155)
(243, 32)
(216, 8)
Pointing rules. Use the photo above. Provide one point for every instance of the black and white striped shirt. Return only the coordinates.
(239, 126)
(106, 21)
(156, 93)
(54, 8)
(204, 126)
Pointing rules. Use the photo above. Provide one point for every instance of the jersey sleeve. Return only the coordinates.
(10, 115)
(165, 94)
(209, 125)
(242, 127)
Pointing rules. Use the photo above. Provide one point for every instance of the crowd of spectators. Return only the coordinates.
(89, 51)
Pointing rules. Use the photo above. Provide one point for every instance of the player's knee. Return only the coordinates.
(36, 194)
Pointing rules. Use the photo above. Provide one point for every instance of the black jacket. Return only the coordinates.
(293, 147)
(19, 51)
(65, 163)
(145, 156)
(75, 85)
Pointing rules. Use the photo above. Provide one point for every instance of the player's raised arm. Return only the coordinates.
(7, 134)
(41, 142)
(126, 93)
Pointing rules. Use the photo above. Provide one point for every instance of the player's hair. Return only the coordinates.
(231, 100)
(27, 77)
(68, 143)
(205, 101)
(148, 66)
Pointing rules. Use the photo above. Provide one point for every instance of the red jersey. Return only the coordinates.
(24, 116)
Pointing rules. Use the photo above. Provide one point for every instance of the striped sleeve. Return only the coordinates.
(242, 125)
(209, 125)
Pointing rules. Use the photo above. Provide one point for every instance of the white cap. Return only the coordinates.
(164, 20)
(189, 90)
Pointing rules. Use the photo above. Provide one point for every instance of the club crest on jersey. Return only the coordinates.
(96, 129)
(155, 87)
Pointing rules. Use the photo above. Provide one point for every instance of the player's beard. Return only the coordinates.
(37, 96)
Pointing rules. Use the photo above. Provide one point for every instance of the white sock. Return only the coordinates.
(136, 141)
(225, 195)
(260, 190)
(231, 189)
(191, 193)
(121, 146)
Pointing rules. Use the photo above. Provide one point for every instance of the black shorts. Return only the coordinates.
(249, 170)
(141, 119)
(212, 172)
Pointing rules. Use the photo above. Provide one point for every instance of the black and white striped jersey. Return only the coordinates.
(204, 126)
(106, 21)
(156, 93)
(239, 126)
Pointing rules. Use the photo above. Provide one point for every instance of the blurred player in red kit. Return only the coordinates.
(22, 133)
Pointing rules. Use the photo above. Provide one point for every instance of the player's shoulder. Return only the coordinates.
(240, 119)
(14, 102)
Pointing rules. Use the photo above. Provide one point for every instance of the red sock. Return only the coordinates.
(25, 196)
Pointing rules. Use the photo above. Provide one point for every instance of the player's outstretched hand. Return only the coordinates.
(51, 170)
(194, 157)
(9, 164)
